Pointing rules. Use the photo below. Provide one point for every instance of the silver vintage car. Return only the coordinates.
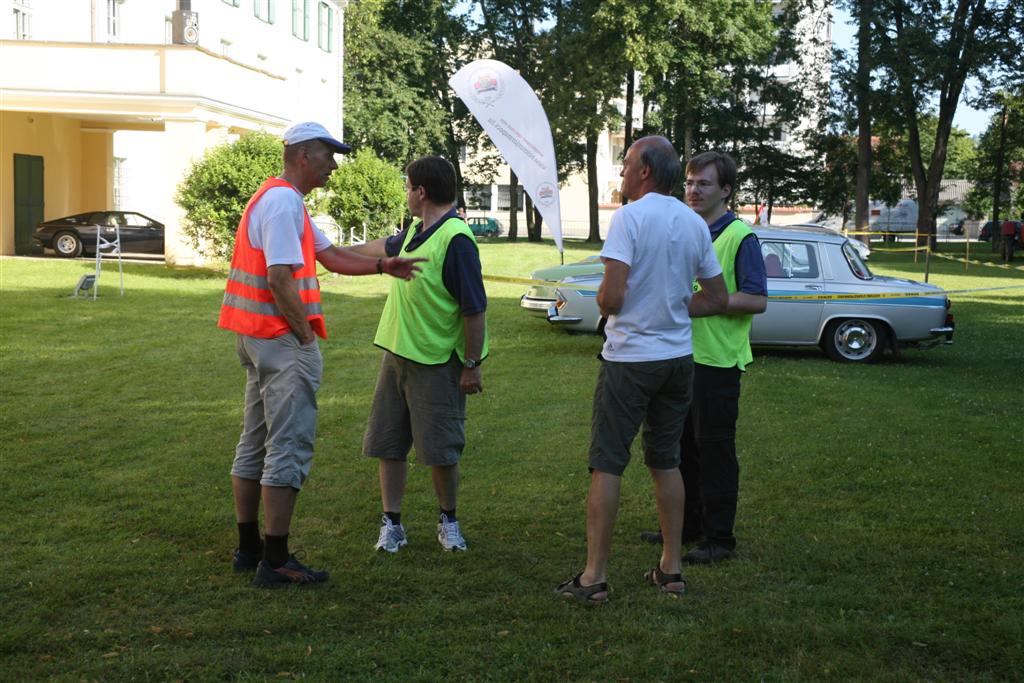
(800, 262)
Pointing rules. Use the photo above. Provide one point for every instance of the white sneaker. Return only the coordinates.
(392, 536)
(448, 534)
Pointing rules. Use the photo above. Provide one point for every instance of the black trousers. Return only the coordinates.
(711, 472)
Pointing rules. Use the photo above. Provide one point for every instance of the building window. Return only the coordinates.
(113, 18)
(300, 19)
(325, 38)
(263, 10)
(505, 197)
(478, 197)
(23, 19)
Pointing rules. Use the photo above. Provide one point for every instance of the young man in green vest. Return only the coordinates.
(434, 335)
(721, 352)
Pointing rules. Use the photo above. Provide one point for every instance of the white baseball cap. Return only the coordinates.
(311, 130)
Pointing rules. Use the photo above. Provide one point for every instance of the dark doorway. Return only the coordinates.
(28, 202)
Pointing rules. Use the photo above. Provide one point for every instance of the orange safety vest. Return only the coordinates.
(249, 306)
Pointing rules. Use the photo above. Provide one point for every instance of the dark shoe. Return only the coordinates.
(654, 538)
(245, 561)
(292, 573)
(708, 553)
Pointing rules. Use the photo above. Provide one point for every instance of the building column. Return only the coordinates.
(185, 141)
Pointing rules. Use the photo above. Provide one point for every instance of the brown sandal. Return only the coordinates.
(585, 594)
(658, 578)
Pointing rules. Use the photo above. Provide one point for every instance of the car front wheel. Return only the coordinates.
(67, 244)
(855, 340)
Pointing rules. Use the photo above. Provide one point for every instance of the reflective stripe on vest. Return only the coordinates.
(723, 341)
(249, 307)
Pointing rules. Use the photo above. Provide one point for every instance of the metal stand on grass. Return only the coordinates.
(114, 247)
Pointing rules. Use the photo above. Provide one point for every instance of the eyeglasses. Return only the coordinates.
(699, 184)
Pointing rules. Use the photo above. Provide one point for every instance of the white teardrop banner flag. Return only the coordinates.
(510, 113)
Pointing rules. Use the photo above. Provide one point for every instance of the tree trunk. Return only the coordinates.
(630, 77)
(862, 216)
(595, 224)
(513, 215)
(996, 234)
(532, 222)
(538, 223)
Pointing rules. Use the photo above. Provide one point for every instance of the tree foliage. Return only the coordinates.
(366, 191)
(218, 186)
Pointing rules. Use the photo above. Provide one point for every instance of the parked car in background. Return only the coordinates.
(76, 235)
(539, 298)
(802, 261)
(985, 234)
(484, 226)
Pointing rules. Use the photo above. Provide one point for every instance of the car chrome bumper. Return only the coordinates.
(943, 335)
(556, 319)
(536, 305)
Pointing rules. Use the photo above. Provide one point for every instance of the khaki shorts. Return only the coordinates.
(419, 406)
(282, 378)
(653, 393)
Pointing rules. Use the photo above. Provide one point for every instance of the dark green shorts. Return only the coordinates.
(419, 406)
(653, 393)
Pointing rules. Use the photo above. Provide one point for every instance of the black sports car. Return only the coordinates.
(74, 235)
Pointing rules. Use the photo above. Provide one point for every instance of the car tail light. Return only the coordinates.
(560, 304)
(949, 320)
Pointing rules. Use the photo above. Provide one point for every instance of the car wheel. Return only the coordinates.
(67, 244)
(855, 340)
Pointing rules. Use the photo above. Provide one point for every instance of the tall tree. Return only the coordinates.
(930, 49)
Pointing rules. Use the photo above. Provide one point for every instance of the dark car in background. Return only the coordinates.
(484, 226)
(76, 235)
(985, 234)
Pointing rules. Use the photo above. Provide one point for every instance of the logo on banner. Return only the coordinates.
(487, 86)
(546, 193)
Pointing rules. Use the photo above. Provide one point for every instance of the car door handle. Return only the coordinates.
(816, 288)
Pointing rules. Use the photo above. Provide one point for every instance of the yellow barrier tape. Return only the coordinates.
(925, 248)
(784, 297)
(1004, 266)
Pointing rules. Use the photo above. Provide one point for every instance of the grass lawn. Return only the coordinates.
(881, 520)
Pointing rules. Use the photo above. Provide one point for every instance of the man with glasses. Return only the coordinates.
(434, 337)
(721, 352)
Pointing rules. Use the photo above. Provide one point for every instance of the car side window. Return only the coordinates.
(134, 220)
(857, 265)
(789, 260)
(98, 218)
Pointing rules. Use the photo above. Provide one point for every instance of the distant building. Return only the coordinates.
(110, 101)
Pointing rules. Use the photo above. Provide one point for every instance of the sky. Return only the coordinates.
(972, 120)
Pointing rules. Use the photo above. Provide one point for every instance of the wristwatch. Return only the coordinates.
(469, 363)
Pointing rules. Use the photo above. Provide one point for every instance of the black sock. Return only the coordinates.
(275, 550)
(450, 514)
(395, 517)
(249, 537)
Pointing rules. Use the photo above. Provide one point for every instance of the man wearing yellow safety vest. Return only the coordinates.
(721, 352)
(272, 302)
(434, 335)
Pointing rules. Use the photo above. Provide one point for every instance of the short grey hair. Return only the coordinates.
(658, 154)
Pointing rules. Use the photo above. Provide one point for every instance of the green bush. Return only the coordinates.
(366, 190)
(217, 188)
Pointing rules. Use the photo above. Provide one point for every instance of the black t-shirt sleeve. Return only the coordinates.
(463, 275)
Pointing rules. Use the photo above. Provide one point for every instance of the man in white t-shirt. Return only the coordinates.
(656, 248)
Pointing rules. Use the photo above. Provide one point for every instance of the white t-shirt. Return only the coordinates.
(666, 246)
(278, 209)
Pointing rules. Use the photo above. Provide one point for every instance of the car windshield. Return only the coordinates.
(857, 265)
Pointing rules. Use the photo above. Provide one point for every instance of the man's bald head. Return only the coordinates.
(658, 154)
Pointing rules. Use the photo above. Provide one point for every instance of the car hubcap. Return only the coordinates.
(855, 339)
(66, 244)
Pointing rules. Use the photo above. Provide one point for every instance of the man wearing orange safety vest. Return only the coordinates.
(272, 302)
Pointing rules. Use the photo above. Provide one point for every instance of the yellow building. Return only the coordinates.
(75, 73)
